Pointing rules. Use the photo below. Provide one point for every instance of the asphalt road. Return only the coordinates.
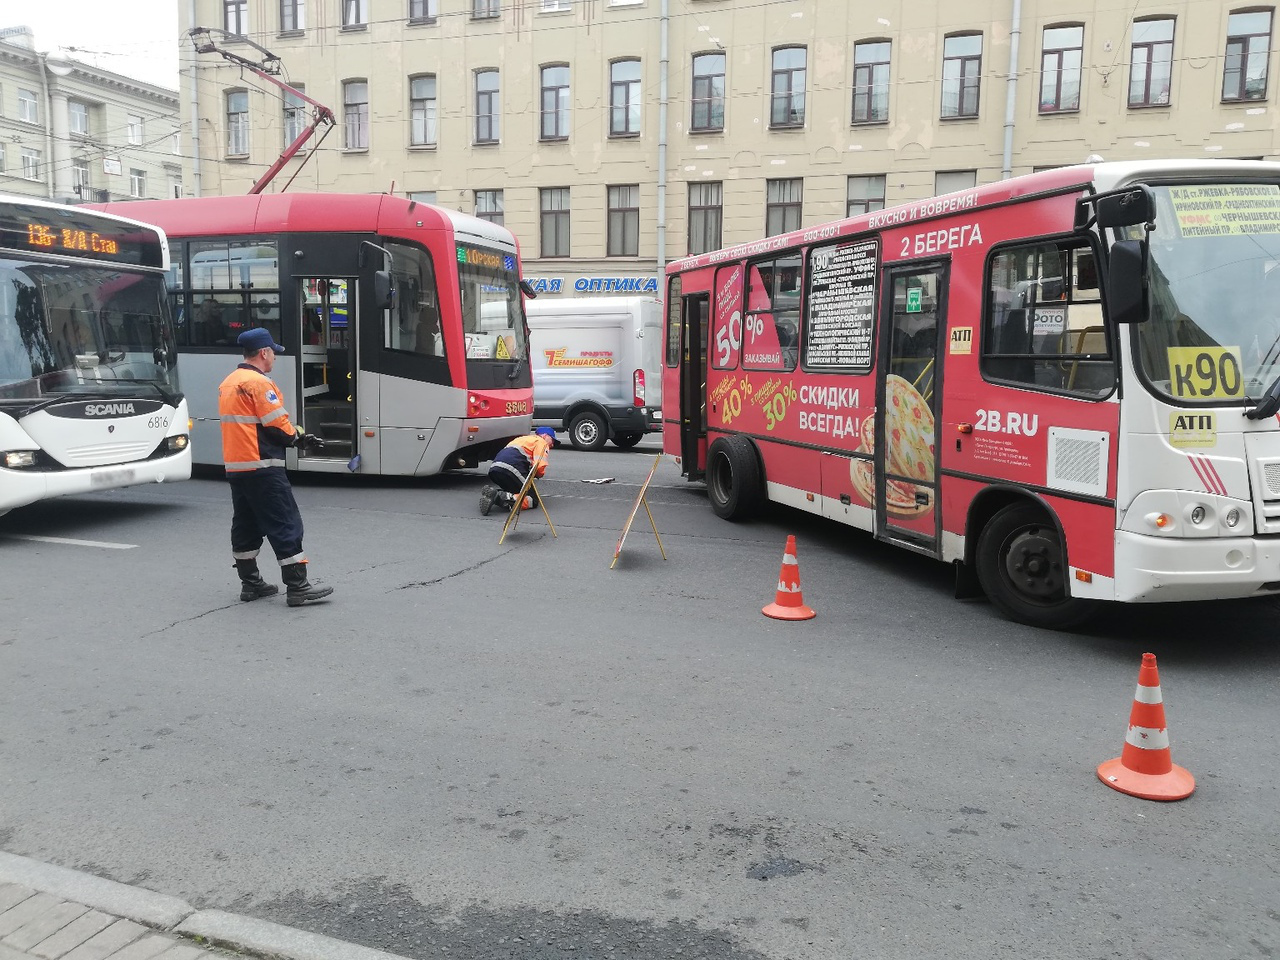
(484, 751)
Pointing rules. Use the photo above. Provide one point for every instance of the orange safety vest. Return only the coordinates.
(534, 448)
(248, 400)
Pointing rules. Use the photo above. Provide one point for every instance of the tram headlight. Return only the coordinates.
(1232, 518)
(17, 459)
(1197, 514)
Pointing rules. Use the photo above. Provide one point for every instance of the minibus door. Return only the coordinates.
(327, 322)
(693, 383)
(908, 400)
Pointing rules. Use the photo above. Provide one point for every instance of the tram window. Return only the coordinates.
(412, 324)
(1043, 325)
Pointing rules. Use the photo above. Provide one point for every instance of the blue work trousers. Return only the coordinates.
(263, 505)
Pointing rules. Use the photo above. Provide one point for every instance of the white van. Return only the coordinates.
(597, 368)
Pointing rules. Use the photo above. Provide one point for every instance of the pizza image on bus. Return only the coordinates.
(909, 425)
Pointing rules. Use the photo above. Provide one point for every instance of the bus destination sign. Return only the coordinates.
(74, 233)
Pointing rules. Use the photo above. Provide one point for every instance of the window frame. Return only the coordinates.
(1241, 93)
(135, 130)
(28, 106)
(293, 114)
(32, 161)
(235, 17)
(870, 69)
(423, 11)
(293, 16)
(355, 116)
(784, 207)
(788, 97)
(558, 219)
(1061, 55)
(704, 97)
(1150, 46)
(353, 14)
(493, 209)
(622, 220)
(137, 183)
(867, 201)
(630, 107)
(491, 120)
(559, 113)
(82, 113)
(967, 80)
(424, 112)
(701, 216)
(237, 123)
(486, 9)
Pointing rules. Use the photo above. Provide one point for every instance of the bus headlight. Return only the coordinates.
(1232, 518)
(16, 459)
(177, 443)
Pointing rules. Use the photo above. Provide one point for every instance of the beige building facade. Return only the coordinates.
(75, 133)
(612, 136)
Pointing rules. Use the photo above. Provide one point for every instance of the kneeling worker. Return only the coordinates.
(511, 466)
(255, 432)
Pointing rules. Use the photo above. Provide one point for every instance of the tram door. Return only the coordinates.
(327, 358)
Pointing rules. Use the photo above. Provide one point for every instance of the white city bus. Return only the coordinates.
(89, 396)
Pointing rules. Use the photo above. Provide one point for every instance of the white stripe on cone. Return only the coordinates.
(783, 588)
(1147, 738)
(1148, 695)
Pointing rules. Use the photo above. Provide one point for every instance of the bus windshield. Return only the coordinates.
(1214, 331)
(492, 312)
(82, 330)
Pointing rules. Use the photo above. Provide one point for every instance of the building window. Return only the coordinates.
(295, 114)
(783, 201)
(555, 102)
(80, 179)
(706, 215)
(78, 115)
(293, 15)
(624, 221)
(355, 114)
(235, 16)
(423, 11)
(487, 106)
(137, 182)
(485, 9)
(555, 6)
(1, 158)
(786, 106)
(624, 98)
(554, 205)
(28, 111)
(1244, 75)
(30, 164)
(1060, 69)
(422, 111)
(355, 13)
(422, 196)
(1151, 63)
(865, 194)
(708, 92)
(237, 123)
(949, 181)
(135, 130)
(177, 143)
(961, 75)
(871, 81)
(175, 186)
(489, 206)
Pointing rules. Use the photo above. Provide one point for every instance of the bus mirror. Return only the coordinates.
(1127, 282)
(383, 292)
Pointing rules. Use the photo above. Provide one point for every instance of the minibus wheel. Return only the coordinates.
(1022, 567)
(587, 431)
(626, 441)
(734, 484)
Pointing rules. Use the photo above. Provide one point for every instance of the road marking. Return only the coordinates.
(103, 544)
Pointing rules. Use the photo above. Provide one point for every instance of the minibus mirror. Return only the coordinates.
(383, 292)
(1127, 282)
(527, 289)
(1126, 208)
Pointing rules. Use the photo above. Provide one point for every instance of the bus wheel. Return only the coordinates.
(626, 441)
(587, 431)
(733, 478)
(1023, 569)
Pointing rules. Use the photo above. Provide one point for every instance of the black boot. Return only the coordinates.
(252, 586)
(299, 590)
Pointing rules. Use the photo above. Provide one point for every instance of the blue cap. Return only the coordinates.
(546, 432)
(257, 338)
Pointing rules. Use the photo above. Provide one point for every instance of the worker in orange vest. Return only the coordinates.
(255, 432)
(512, 465)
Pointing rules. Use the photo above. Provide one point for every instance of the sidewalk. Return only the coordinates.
(52, 913)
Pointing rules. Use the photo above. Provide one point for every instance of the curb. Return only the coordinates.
(172, 915)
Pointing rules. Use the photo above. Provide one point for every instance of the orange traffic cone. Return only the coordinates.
(1145, 767)
(789, 604)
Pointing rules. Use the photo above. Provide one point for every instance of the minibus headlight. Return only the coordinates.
(16, 459)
